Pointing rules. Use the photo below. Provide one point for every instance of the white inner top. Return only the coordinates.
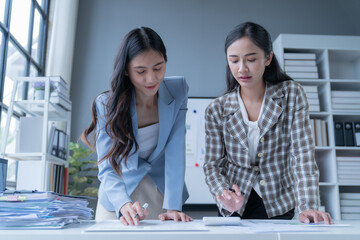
(147, 140)
(253, 134)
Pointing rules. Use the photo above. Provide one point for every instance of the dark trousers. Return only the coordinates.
(255, 209)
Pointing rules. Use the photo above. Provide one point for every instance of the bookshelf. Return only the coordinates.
(338, 66)
(40, 165)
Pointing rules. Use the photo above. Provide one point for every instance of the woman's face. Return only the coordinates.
(146, 71)
(247, 62)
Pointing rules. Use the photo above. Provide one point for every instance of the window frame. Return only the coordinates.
(7, 37)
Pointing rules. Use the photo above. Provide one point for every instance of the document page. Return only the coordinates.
(147, 226)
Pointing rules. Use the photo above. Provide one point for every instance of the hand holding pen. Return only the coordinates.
(232, 198)
(132, 213)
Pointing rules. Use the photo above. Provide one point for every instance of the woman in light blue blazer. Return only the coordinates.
(139, 127)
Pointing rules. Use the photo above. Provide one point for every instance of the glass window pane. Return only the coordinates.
(11, 143)
(2, 10)
(15, 67)
(35, 53)
(19, 22)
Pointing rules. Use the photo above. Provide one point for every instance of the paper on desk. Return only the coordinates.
(146, 226)
(257, 226)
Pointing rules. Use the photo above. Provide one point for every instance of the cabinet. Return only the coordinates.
(338, 65)
(37, 166)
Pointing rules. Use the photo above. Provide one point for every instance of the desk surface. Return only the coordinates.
(77, 232)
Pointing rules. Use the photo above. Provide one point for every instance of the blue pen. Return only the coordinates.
(145, 206)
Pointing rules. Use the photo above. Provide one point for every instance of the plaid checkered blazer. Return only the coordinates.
(285, 165)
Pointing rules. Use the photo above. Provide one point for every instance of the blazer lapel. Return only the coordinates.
(166, 104)
(272, 109)
(235, 124)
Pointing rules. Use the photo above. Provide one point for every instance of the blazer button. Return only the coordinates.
(262, 139)
(260, 155)
(256, 168)
(262, 182)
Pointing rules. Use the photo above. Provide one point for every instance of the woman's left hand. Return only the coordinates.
(315, 217)
(175, 215)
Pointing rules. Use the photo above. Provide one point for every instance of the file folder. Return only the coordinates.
(339, 134)
(357, 133)
(348, 134)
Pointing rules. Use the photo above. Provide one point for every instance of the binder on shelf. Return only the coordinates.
(357, 133)
(348, 134)
(339, 134)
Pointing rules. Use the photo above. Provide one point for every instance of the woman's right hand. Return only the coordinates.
(132, 213)
(232, 201)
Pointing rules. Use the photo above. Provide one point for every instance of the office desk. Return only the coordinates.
(77, 232)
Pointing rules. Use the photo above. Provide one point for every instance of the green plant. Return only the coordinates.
(82, 171)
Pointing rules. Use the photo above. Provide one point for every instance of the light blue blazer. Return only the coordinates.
(165, 166)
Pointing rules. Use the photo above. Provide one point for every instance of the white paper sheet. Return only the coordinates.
(146, 226)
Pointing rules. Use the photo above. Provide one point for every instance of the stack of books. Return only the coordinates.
(41, 210)
(319, 132)
(350, 206)
(60, 95)
(348, 169)
(313, 97)
(345, 100)
(301, 65)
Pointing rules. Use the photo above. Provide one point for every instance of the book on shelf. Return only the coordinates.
(345, 100)
(314, 108)
(300, 56)
(351, 209)
(345, 202)
(345, 94)
(347, 159)
(305, 75)
(296, 62)
(310, 89)
(350, 216)
(64, 103)
(350, 196)
(319, 132)
(301, 69)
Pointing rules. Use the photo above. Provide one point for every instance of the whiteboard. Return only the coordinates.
(195, 152)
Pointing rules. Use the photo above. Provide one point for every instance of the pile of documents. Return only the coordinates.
(41, 210)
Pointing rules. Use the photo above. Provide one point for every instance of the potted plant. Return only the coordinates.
(82, 171)
(39, 89)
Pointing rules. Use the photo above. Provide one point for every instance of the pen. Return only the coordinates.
(233, 190)
(143, 208)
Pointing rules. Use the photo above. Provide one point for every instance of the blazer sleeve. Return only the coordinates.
(175, 158)
(215, 166)
(113, 185)
(303, 156)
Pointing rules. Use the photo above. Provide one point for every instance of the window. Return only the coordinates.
(23, 27)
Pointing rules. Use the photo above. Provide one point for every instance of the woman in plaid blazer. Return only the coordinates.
(259, 161)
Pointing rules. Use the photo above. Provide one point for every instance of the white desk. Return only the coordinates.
(77, 232)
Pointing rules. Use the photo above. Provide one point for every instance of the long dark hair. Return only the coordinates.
(261, 38)
(119, 124)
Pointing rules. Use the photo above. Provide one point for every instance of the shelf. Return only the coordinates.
(338, 63)
(37, 156)
(36, 108)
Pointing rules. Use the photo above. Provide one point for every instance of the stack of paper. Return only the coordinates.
(301, 65)
(345, 100)
(313, 97)
(41, 210)
(350, 206)
(348, 170)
